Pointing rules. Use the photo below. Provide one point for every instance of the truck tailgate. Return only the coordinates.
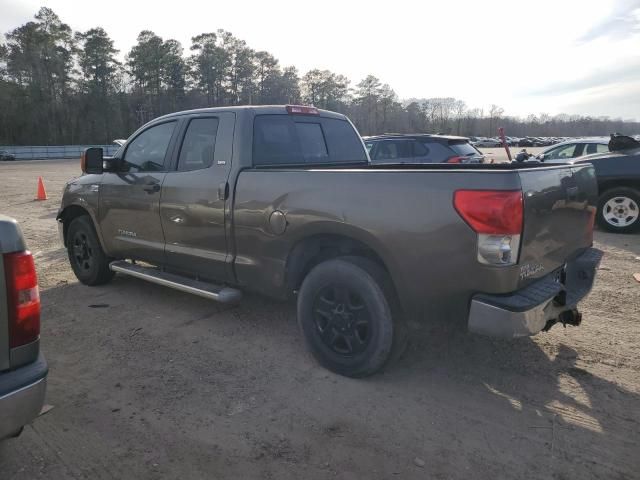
(559, 208)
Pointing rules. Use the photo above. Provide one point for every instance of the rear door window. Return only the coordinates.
(595, 148)
(419, 149)
(392, 150)
(565, 152)
(198, 145)
(288, 139)
(438, 152)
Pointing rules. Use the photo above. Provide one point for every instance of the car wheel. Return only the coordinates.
(345, 314)
(619, 210)
(87, 259)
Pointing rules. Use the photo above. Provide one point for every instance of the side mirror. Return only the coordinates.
(541, 156)
(91, 160)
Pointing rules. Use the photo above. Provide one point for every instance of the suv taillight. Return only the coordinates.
(23, 298)
(497, 217)
(456, 159)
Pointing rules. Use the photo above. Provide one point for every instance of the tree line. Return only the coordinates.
(58, 86)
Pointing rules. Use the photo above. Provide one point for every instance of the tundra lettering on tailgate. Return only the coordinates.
(529, 269)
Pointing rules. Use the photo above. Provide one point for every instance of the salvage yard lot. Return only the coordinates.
(500, 155)
(147, 382)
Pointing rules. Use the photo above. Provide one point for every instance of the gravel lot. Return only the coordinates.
(500, 154)
(148, 383)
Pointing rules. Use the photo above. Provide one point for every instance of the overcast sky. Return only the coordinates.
(552, 56)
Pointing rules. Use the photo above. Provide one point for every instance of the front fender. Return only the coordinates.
(81, 197)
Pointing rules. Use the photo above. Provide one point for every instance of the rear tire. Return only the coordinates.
(619, 210)
(345, 316)
(88, 261)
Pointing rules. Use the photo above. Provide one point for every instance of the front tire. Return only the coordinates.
(346, 317)
(88, 261)
(619, 210)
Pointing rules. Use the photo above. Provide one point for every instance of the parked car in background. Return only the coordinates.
(531, 142)
(23, 369)
(618, 175)
(565, 151)
(421, 148)
(6, 156)
(488, 143)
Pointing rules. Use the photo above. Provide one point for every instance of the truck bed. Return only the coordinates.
(406, 214)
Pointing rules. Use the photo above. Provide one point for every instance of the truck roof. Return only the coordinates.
(414, 135)
(256, 109)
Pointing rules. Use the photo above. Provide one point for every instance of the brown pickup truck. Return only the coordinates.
(284, 201)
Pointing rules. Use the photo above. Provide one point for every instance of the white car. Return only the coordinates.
(488, 143)
(577, 147)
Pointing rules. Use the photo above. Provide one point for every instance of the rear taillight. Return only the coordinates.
(23, 298)
(454, 160)
(497, 217)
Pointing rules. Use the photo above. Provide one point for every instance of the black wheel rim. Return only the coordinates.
(342, 320)
(82, 251)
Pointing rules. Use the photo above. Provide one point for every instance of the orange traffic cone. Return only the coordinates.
(42, 193)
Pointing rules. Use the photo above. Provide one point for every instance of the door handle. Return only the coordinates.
(223, 191)
(152, 188)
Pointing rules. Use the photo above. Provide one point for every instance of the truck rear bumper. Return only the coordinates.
(538, 306)
(22, 393)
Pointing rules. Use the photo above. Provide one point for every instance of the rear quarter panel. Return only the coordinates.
(407, 217)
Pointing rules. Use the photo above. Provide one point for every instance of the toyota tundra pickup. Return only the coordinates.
(282, 200)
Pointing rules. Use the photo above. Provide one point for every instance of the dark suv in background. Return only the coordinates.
(421, 148)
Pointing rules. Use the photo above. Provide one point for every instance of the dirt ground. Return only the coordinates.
(149, 383)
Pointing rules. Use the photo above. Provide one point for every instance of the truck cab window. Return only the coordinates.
(147, 152)
(198, 145)
(312, 142)
(285, 139)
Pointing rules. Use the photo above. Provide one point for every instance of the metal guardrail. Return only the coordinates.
(53, 151)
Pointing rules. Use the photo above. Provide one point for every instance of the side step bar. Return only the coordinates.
(178, 282)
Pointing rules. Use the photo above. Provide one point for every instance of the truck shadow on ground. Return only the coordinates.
(629, 241)
(544, 395)
(544, 384)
